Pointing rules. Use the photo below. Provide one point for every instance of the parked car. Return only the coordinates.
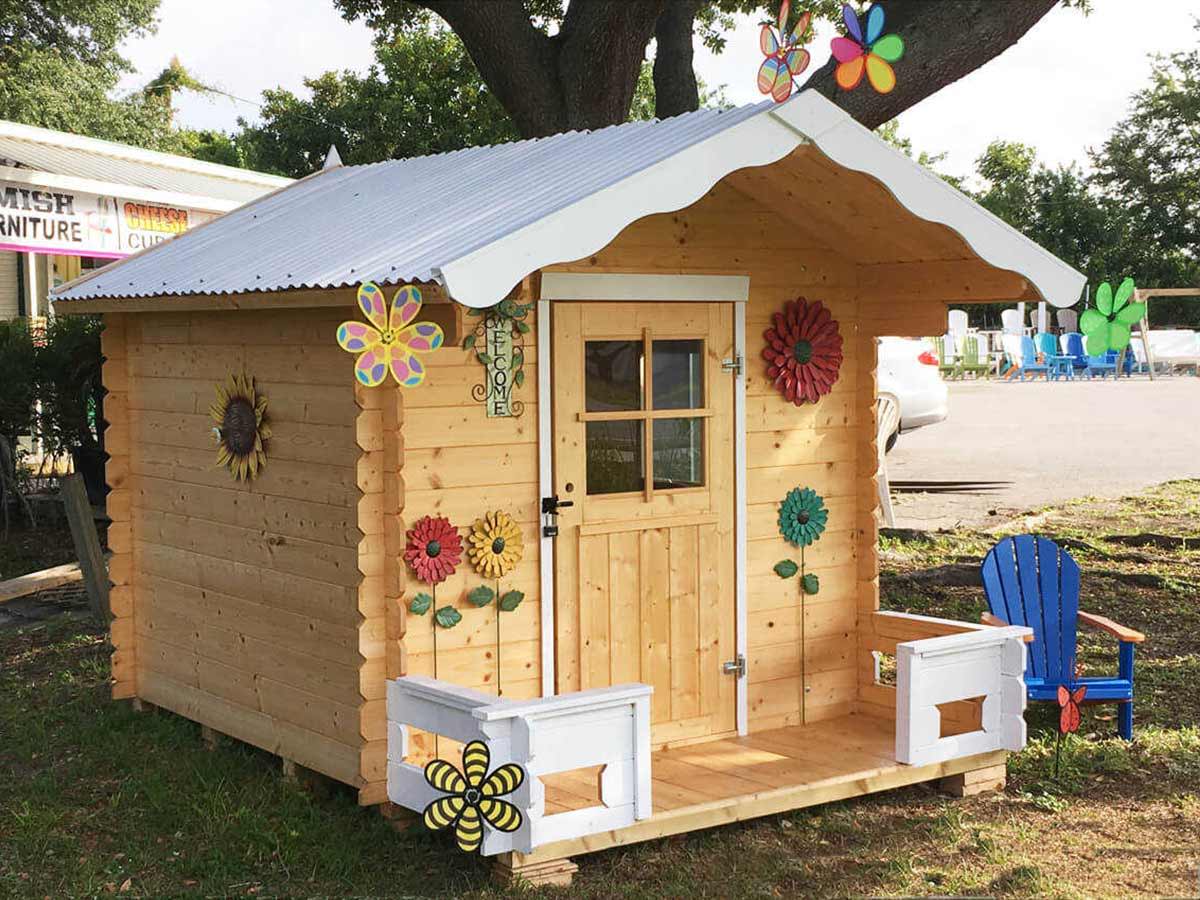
(908, 368)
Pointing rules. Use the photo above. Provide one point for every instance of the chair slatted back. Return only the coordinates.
(1031, 581)
(1028, 353)
(970, 350)
(1047, 345)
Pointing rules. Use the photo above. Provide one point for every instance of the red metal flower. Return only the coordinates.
(804, 351)
(434, 549)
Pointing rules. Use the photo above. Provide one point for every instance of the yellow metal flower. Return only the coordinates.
(240, 427)
(496, 546)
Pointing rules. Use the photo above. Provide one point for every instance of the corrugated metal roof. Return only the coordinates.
(400, 220)
(66, 154)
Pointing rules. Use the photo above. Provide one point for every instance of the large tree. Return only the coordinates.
(556, 65)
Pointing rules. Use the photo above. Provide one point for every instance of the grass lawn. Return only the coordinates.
(96, 799)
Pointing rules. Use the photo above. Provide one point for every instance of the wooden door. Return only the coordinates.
(644, 558)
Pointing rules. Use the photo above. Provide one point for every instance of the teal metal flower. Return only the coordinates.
(1107, 327)
(802, 517)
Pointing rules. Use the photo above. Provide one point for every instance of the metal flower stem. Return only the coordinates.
(1057, 752)
(803, 688)
(433, 622)
(498, 611)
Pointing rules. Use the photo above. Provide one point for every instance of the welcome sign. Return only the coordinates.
(78, 223)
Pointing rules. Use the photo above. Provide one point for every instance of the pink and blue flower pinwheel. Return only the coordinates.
(392, 341)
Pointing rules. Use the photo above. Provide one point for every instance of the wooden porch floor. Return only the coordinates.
(733, 779)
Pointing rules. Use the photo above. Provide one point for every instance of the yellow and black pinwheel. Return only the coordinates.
(473, 796)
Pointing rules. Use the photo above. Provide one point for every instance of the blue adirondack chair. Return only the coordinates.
(1028, 363)
(1073, 347)
(1058, 366)
(1102, 366)
(1031, 581)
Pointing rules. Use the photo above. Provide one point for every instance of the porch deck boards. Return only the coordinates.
(732, 779)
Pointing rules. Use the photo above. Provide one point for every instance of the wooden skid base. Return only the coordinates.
(511, 869)
(975, 781)
(734, 779)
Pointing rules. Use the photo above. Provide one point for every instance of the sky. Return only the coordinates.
(1061, 88)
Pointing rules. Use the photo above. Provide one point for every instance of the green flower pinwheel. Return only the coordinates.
(1107, 326)
(802, 517)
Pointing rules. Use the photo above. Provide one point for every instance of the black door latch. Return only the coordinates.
(550, 507)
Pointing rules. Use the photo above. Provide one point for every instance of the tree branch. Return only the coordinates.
(943, 42)
(675, 87)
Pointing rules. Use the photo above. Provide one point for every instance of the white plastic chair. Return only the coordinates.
(887, 420)
(1011, 319)
(958, 322)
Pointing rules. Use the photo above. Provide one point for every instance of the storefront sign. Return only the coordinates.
(498, 336)
(77, 223)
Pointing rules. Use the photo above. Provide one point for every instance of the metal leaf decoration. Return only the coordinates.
(447, 617)
(785, 568)
(481, 596)
(511, 600)
(420, 604)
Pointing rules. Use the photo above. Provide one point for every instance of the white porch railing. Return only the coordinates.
(988, 663)
(607, 727)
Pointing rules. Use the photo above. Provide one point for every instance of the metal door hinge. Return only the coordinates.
(734, 366)
(735, 667)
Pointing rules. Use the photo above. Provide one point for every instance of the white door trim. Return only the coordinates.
(545, 489)
(741, 614)
(616, 287)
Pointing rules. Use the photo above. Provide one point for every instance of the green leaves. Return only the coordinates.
(785, 568)
(511, 600)
(419, 605)
(810, 583)
(481, 596)
(468, 343)
(447, 617)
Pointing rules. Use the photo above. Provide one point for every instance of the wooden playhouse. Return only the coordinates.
(649, 661)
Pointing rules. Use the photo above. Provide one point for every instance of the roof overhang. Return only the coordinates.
(484, 276)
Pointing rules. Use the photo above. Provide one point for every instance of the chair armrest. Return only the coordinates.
(988, 619)
(1120, 632)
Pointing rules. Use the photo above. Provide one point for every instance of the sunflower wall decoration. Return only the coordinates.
(496, 547)
(802, 521)
(240, 426)
(804, 351)
(473, 796)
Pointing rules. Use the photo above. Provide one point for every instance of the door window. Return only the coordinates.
(644, 415)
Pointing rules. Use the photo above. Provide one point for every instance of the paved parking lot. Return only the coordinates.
(1052, 441)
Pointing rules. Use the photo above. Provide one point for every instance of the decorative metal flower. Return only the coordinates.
(1069, 718)
(871, 53)
(785, 59)
(802, 517)
(434, 549)
(240, 426)
(1107, 327)
(496, 545)
(804, 351)
(392, 341)
(473, 796)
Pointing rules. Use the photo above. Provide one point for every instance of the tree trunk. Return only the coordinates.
(675, 87)
(943, 41)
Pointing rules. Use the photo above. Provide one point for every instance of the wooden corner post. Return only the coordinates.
(114, 345)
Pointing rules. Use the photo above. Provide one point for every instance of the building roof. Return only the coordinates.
(478, 220)
(59, 153)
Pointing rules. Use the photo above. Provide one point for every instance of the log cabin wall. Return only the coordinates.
(457, 462)
(821, 446)
(240, 608)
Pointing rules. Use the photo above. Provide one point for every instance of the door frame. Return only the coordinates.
(607, 287)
